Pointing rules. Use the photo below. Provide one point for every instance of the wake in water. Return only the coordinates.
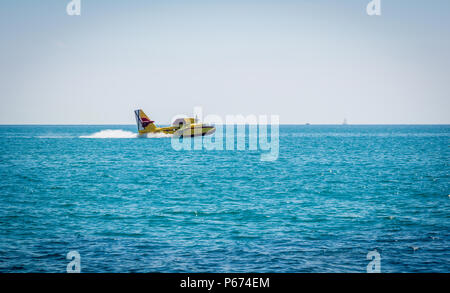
(119, 133)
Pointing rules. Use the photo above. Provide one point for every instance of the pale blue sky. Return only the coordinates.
(307, 61)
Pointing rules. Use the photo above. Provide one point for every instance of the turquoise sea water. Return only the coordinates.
(137, 205)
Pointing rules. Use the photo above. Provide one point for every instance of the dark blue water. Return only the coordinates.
(137, 205)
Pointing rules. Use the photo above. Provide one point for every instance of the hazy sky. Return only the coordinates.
(311, 61)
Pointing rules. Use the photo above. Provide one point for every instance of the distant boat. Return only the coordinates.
(308, 124)
(345, 121)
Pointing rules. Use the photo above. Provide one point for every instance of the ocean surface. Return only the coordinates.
(129, 204)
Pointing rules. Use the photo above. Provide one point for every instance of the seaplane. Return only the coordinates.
(182, 127)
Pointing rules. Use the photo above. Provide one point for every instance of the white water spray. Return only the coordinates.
(119, 133)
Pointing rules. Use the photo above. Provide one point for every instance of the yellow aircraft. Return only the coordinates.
(185, 127)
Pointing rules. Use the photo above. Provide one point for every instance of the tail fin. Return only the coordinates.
(144, 123)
